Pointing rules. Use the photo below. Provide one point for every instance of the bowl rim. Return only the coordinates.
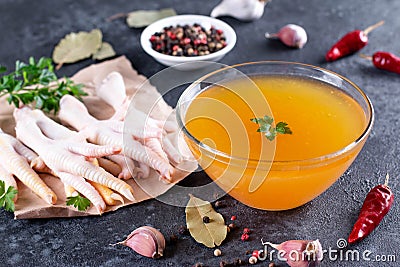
(307, 161)
(145, 43)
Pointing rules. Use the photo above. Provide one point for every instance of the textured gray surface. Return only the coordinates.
(32, 28)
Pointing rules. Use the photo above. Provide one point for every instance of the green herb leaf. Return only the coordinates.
(79, 202)
(37, 83)
(210, 234)
(265, 126)
(282, 128)
(7, 197)
(142, 18)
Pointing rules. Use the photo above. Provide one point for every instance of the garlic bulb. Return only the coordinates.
(246, 10)
(146, 241)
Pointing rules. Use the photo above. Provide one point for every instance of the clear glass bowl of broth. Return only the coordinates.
(330, 118)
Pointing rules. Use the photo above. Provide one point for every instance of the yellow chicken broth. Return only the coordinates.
(323, 120)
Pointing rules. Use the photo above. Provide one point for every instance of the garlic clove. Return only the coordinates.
(246, 10)
(146, 241)
(299, 253)
(291, 35)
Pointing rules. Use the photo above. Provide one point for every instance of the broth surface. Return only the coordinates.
(323, 118)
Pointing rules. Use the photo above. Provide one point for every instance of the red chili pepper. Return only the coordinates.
(376, 206)
(350, 43)
(386, 61)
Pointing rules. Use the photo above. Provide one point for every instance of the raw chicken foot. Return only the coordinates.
(68, 155)
(112, 91)
(14, 160)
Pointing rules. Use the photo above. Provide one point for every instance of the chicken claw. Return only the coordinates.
(14, 160)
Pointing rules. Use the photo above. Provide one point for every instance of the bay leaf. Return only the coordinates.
(210, 234)
(77, 46)
(105, 51)
(142, 18)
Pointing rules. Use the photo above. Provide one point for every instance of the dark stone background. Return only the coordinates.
(32, 28)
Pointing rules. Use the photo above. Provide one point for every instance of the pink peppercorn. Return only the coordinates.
(233, 218)
(255, 253)
(246, 231)
(153, 38)
(244, 237)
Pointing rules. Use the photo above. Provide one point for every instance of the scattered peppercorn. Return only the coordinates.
(231, 226)
(198, 264)
(217, 252)
(246, 231)
(233, 218)
(248, 252)
(245, 237)
(255, 253)
(220, 204)
(188, 40)
(182, 230)
(206, 219)
(271, 264)
(261, 253)
(258, 253)
(223, 264)
(252, 260)
(173, 239)
(238, 262)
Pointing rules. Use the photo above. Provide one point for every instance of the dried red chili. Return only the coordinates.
(385, 61)
(350, 43)
(376, 205)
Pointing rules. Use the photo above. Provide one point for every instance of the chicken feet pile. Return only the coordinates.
(68, 155)
(143, 141)
(131, 142)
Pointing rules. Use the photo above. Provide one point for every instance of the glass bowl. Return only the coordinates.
(268, 183)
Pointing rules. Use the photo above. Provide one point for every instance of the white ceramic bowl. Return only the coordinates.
(191, 62)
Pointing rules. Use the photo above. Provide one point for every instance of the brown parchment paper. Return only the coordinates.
(30, 206)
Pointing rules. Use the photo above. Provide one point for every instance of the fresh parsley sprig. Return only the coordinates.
(79, 202)
(7, 197)
(269, 131)
(35, 82)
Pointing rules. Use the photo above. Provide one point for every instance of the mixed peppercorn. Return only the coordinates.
(188, 40)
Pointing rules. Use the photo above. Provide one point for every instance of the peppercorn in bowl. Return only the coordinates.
(188, 39)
